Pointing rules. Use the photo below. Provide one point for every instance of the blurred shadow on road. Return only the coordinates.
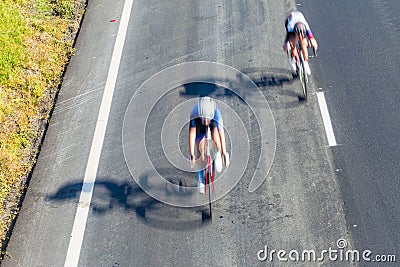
(205, 89)
(272, 79)
(109, 194)
(267, 77)
(268, 80)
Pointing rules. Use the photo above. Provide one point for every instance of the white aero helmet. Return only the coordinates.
(206, 107)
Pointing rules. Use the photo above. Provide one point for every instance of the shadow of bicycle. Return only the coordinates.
(109, 195)
(276, 81)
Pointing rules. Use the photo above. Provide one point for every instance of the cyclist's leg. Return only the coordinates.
(215, 135)
(216, 138)
(200, 150)
(293, 41)
(201, 147)
(304, 46)
(286, 44)
(304, 49)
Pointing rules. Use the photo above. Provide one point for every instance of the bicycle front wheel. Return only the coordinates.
(208, 187)
(304, 80)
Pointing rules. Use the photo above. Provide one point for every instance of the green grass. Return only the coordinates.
(35, 46)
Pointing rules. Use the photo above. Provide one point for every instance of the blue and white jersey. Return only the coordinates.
(195, 121)
(294, 18)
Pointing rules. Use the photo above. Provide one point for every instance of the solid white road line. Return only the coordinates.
(81, 216)
(326, 119)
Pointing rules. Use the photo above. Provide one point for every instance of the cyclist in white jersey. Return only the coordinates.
(297, 28)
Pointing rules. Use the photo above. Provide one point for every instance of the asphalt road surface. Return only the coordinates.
(297, 192)
(358, 68)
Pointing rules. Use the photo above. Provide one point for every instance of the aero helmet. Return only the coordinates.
(300, 29)
(206, 108)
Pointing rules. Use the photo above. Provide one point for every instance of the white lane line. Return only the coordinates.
(82, 212)
(326, 119)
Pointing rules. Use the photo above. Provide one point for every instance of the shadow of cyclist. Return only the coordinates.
(109, 195)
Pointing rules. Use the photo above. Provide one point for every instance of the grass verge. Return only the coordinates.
(36, 43)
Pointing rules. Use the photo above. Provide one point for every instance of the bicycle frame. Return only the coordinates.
(301, 69)
(209, 172)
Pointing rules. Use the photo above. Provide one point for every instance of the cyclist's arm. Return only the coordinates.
(286, 24)
(192, 139)
(192, 131)
(223, 143)
(311, 37)
(286, 42)
(220, 127)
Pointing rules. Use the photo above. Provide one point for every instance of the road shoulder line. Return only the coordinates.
(82, 212)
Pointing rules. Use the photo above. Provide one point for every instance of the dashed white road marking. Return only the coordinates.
(326, 119)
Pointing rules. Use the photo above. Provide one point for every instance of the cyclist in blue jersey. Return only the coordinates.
(207, 113)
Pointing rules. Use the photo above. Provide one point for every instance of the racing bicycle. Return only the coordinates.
(209, 169)
(300, 68)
